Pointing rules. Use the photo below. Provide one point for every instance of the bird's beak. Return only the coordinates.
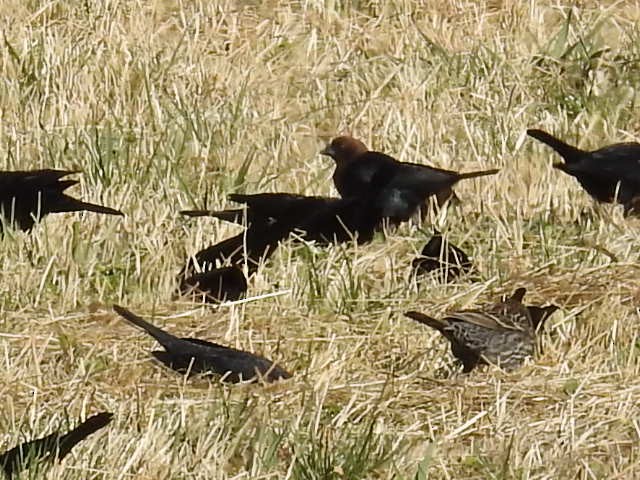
(328, 151)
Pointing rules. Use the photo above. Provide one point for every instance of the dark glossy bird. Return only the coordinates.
(216, 285)
(52, 447)
(441, 256)
(539, 315)
(218, 267)
(397, 189)
(503, 334)
(609, 174)
(27, 196)
(251, 247)
(268, 208)
(195, 356)
(321, 219)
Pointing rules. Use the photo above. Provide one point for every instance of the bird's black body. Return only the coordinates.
(52, 447)
(443, 257)
(608, 174)
(217, 285)
(312, 218)
(396, 189)
(253, 246)
(195, 356)
(271, 218)
(404, 187)
(27, 196)
(268, 209)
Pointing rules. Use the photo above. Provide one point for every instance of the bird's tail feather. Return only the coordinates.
(566, 151)
(70, 204)
(82, 431)
(55, 445)
(479, 173)
(160, 335)
(519, 294)
(426, 320)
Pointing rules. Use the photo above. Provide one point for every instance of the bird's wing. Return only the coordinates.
(483, 319)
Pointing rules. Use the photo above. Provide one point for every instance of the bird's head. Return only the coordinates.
(344, 149)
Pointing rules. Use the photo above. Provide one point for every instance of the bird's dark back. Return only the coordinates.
(356, 177)
(341, 220)
(236, 365)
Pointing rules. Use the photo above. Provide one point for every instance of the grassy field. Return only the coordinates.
(170, 105)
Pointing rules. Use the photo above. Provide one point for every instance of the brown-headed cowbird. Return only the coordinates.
(52, 447)
(253, 246)
(503, 334)
(218, 267)
(271, 218)
(608, 174)
(321, 219)
(217, 285)
(443, 257)
(195, 356)
(27, 196)
(397, 189)
(267, 208)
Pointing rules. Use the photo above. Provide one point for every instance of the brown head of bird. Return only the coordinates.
(344, 149)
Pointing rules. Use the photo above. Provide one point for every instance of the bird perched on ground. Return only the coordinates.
(217, 285)
(267, 208)
(321, 219)
(271, 218)
(443, 257)
(217, 268)
(251, 247)
(398, 189)
(193, 356)
(503, 334)
(27, 196)
(609, 174)
(52, 447)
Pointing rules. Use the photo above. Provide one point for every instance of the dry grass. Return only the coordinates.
(168, 105)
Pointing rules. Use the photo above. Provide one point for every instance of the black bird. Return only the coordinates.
(441, 256)
(52, 447)
(503, 334)
(217, 285)
(271, 218)
(267, 208)
(539, 315)
(397, 189)
(322, 219)
(218, 268)
(609, 174)
(252, 247)
(27, 196)
(195, 356)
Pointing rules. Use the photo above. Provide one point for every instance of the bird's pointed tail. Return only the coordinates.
(519, 294)
(426, 320)
(479, 173)
(568, 152)
(160, 335)
(70, 204)
(82, 431)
